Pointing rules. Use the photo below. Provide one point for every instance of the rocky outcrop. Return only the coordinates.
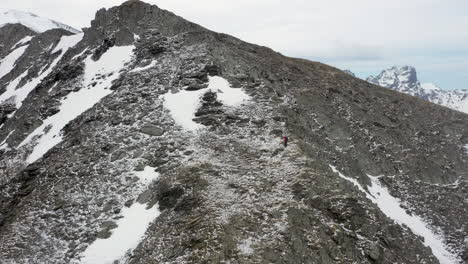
(10, 35)
(134, 18)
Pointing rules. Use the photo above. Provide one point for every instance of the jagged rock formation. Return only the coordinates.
(404, 79)
(153, 127)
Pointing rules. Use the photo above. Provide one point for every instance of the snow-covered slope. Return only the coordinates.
(404, 79)
(32, 21)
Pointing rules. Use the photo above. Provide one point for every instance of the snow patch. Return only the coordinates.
(226, 94)
(466, 149)
(390, 206)
(147, 175)
(126, 237)
(184, 104)
(245, 248)
(149, 66)
(130, 229)
(78, 102)
(8, 63)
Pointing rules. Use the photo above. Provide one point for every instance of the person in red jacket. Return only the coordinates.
(285, 141)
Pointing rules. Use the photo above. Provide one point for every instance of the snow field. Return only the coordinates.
(131, 228)
(184, 104)
(390, 206)
(78, 102)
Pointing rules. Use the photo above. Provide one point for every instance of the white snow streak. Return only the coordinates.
(184, 104)
(78, 55)
(466, 149)
(10, 89)
(390, 206)
(126, 237)
(8, 63)
(78, 102)
(4, 144)
(130, 231)
(23, 41)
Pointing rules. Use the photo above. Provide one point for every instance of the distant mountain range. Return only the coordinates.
(404, 79)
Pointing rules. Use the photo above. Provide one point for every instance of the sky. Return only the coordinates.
(364, 36)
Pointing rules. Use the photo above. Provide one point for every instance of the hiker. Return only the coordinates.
(285, 141)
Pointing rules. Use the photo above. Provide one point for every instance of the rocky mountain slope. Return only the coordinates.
(404, 79)
(150, 139)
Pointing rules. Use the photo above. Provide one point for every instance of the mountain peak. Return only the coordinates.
(399, 78)
(136, 17)
(32, 21)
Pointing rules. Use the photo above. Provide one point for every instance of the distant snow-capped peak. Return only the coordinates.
(400, 78)
(32, 21)
(404, 79)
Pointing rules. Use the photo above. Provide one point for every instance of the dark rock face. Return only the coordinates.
(10, 35)
(229, 192)
(5, 109)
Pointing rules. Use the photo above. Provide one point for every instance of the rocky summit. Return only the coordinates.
(150, 139)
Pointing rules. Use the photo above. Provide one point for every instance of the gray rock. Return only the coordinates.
(106, 228)
(152, 130)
